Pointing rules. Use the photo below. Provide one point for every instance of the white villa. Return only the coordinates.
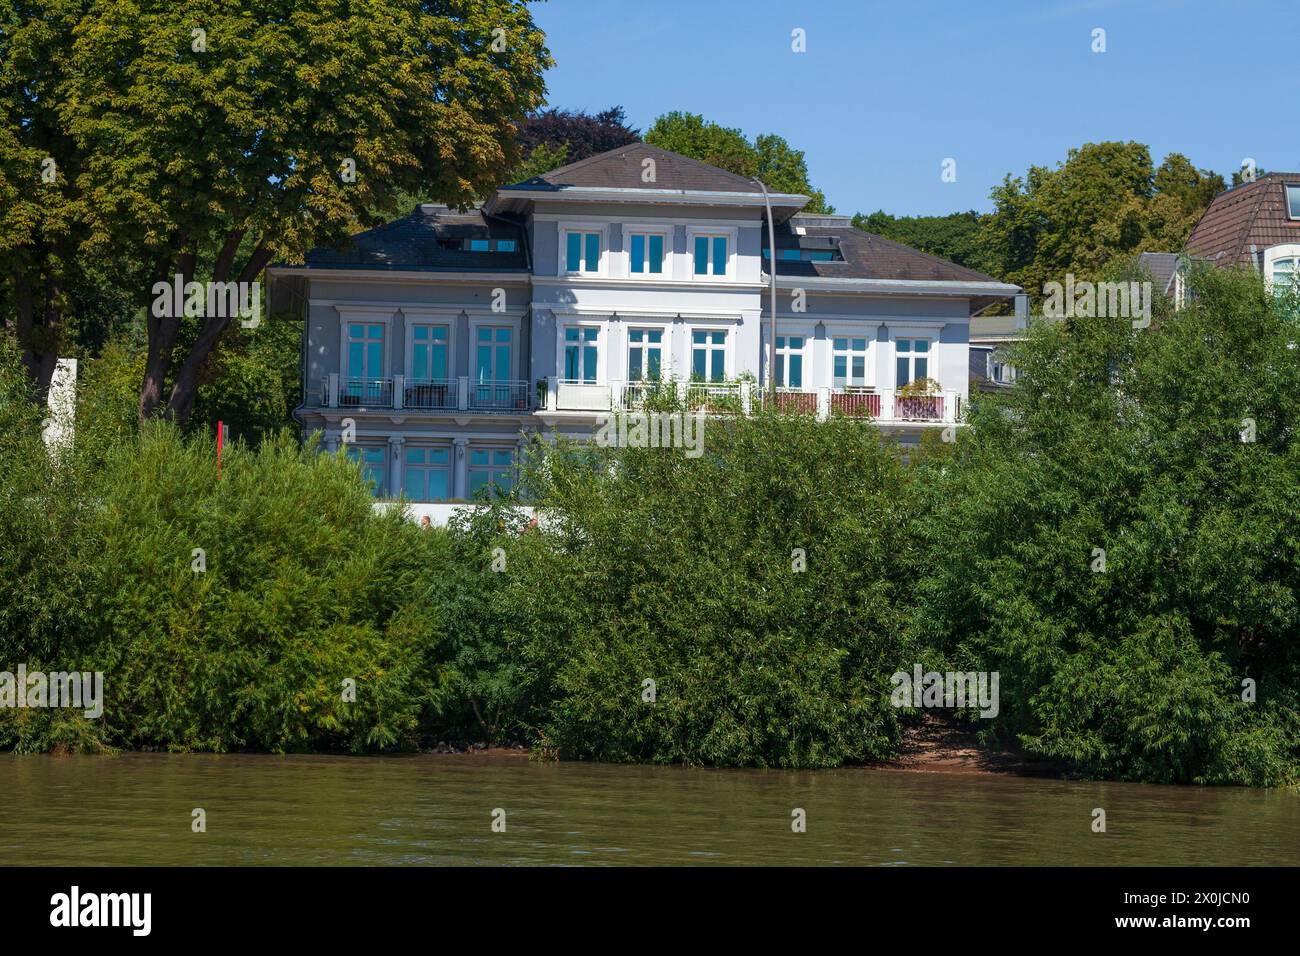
(437, 344)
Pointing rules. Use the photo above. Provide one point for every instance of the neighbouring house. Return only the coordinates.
(1255, 225)
(990, 367)
(435, 346)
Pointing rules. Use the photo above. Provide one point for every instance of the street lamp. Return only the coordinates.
(771, 249)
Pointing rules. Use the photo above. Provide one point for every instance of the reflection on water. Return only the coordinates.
(437, 810)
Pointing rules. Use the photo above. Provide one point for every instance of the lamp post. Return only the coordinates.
(771, 248)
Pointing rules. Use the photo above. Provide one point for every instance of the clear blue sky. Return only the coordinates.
(887, 91)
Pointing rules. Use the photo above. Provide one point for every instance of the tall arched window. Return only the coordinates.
(1285, 272)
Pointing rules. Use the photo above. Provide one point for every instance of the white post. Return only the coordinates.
(823, 403)
(746, 398)
(886, 404)
(552, 393)
(616, 395)
(462, 392)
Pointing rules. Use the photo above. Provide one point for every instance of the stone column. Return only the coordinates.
(460, 466)
(395, 443)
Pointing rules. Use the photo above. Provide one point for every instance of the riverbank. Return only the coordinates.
(937, 745)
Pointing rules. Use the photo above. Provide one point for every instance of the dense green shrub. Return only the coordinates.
(1130, 441)
(302, 586)
(650, 565)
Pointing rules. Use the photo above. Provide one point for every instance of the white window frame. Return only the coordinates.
(728, 350)
(600, 228)
(731, 233)
(491, 450)
(804, 354)
(646, 229)
(868, 366)
(665, 349)
(448, 320)
(931, 355)
(1273, 254)
(516, 359)
(350, 315)
(602, 347)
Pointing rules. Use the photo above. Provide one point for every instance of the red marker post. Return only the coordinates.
(221, 434)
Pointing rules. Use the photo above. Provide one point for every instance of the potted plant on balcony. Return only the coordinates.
(920, 398)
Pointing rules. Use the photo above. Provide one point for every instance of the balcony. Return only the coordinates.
(882, 406)
(445, 394)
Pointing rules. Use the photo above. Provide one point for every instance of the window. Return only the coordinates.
(491, 468)
(429, 352)
(492, 353)
(999, 371)
(646, 253)
(789, 355)
(711, 255)
(804, 255)
(365, 350)
(372, 466)
(428, 474)
(709, 356)
(580, 353)
(912, 360)
(582, 252)
(644, 354)
(1286, 272)
(1293, 200)
(848, 362)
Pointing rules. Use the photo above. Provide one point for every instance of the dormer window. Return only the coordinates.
(1293, 200)
(479, 245)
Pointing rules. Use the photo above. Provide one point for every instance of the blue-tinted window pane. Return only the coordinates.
(592, 263)
(901, 371)
(356, 367)
(638, 253)
(573, 253)
(656, 335)
(505, 245)
(657, 254)
(478, 457)
(789, 253)
(904, 345)
(841, 345)
(1293, 201)
(717, 370)
(697, 362)
(634, 364)
(719, 255)
(484, 334)
(796, 371)
(652, 363)
(479, 245)
(436, 487)
(922, 368)
(701, 255)
(699, 338)
(921, 345)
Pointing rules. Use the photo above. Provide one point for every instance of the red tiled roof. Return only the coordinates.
(1252, 214)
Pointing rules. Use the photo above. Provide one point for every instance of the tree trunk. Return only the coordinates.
(184, 392)
(162, 335)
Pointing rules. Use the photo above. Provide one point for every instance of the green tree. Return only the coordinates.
(210, 141)
(1105, 202)
(1114, 537)
(953, 237)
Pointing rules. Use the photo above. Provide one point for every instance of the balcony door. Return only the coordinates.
(365, 371)
(493, 364)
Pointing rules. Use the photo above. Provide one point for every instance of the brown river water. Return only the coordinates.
(136, 809)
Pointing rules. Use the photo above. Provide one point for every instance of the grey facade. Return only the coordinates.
(437, 345)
